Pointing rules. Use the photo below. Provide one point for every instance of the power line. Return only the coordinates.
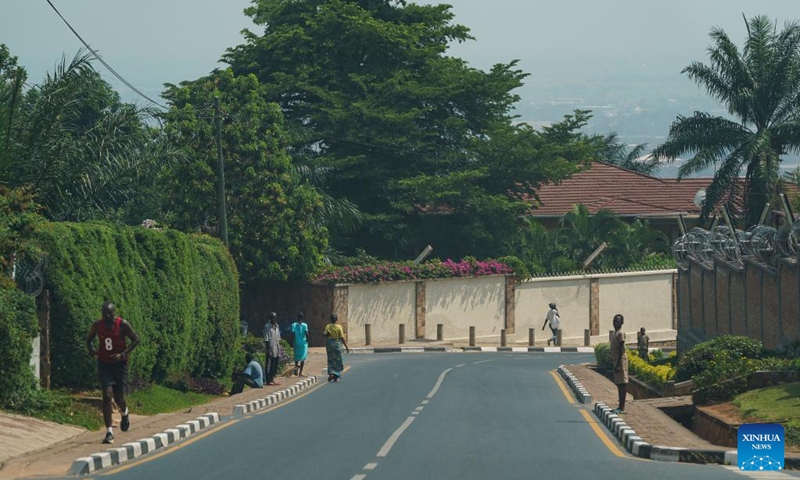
(100, 59)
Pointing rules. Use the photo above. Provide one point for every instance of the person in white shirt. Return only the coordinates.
(554, 320)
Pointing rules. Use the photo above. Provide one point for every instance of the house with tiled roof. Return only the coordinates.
(630, 195)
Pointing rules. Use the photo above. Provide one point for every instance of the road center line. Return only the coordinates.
(370, 466)
(482, 361)
(390, 443)
(438, 383)
(358, 477)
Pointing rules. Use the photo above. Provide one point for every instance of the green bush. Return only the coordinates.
(18, 327)
(655, 375)
(702, 357)
(518, 266)
(602, 354)
(179, 292)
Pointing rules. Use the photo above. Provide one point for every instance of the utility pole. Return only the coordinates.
(223, 216)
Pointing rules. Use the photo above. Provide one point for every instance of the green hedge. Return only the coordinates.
(179, 292)
(18, 327)
(704, 357)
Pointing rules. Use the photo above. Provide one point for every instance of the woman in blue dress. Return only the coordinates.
(300, 331)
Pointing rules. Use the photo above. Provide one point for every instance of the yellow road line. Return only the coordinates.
(560, 384)
(603, 437)
(171, 449)
(587, 416)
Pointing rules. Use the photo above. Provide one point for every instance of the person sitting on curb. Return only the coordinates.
(252, 376)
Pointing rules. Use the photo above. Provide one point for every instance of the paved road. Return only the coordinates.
(420, 416)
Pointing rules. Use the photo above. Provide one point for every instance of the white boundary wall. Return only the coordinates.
(459, 303)
(644, 298)
(385, 306)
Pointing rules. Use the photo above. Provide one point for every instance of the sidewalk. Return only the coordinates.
(645, 430)
(34, 448)
(643, 416)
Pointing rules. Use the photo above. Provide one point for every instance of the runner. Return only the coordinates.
(112, 363)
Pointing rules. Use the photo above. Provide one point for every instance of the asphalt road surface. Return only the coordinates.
(421, 416)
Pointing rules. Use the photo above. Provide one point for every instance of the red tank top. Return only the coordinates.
(112, 340)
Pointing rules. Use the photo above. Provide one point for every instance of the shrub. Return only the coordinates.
(179, 292)
(517, 266)
(722, 379)
(18, 327)
(394, 271)
(704, 355)
(602, 354)
(655, 375)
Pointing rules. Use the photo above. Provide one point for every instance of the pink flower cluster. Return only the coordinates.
(395, 271)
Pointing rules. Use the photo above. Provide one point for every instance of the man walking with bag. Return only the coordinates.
(555, 323)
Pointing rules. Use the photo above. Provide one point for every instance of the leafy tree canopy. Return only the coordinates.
(272, 225)
(422, 143)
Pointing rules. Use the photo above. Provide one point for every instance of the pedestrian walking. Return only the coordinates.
(619, 358)
(272, 344)
(252, 376)
(643, 345)
(554, 320)
(333, 346)
(112, 333)
(300, 331)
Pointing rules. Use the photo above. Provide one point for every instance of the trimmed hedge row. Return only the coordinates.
(18, 327)
(179, 292)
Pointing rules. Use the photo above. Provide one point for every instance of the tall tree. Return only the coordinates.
(422, 143)
(271, 211)
(759, 85)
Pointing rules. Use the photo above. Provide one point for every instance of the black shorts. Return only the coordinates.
(111, 374)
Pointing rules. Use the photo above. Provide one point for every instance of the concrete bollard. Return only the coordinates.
(471, 336)
(503, 339)
(368, 334)
(439, 332)
(587, 337)
(558, 337)
(531, 336)
(402, 333)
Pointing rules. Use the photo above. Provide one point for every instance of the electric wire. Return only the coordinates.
(100, 59)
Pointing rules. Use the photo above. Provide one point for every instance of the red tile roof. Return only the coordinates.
(624, 192)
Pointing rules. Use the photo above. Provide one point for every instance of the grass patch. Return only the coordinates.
(57, 406)
(779, 404)
(158, 399)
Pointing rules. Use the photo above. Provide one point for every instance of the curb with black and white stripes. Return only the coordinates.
(129, 451)
(472, 349)
(269, 400)
(578, 389)
(635, 445)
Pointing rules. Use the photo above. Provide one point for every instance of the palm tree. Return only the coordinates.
(615, 152)
(80, 151)
(760, 87)
(581, 232)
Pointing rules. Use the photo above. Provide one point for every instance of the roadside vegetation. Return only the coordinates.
(351, 140)
(778, 404)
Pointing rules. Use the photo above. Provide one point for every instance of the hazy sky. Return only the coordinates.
(151, 42)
